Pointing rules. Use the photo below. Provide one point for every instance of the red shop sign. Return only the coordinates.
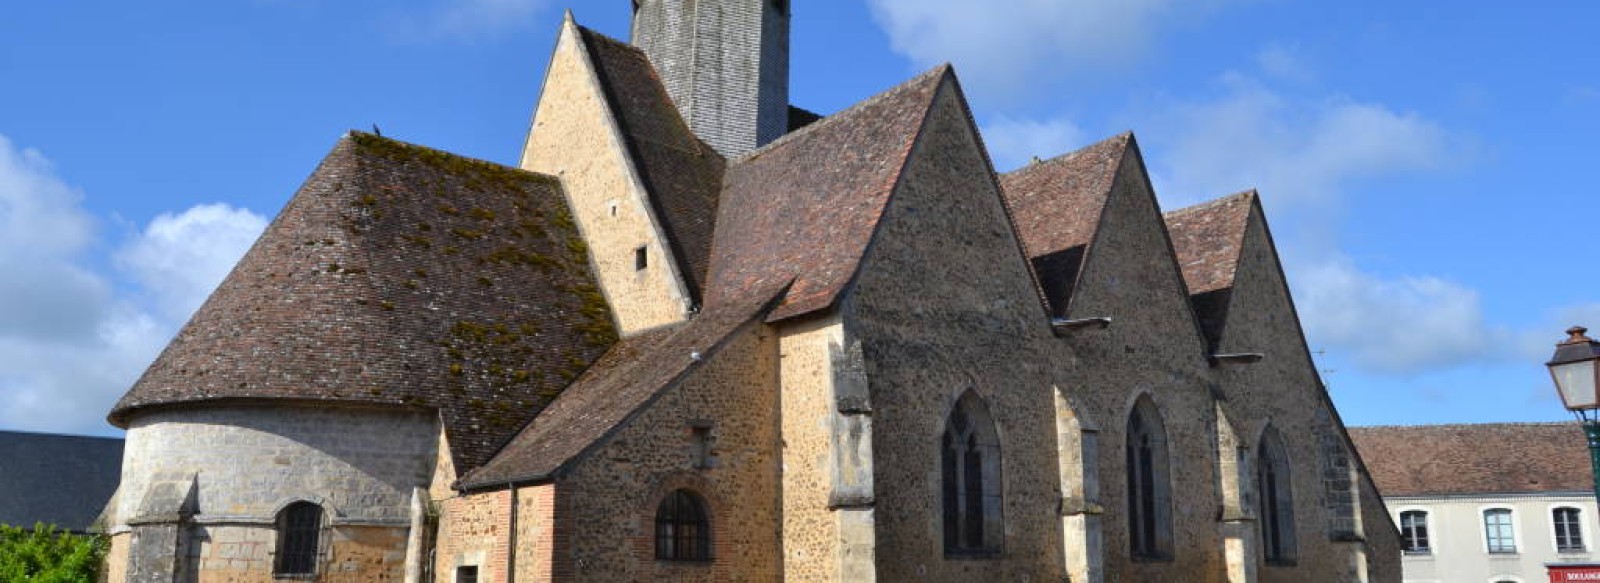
(1578, 572)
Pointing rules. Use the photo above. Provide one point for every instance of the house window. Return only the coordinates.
(1414, 532)
(683, 532)
(641, 258)
(1569, 530)
(1149, 486)
(1276, 498)
(1497, 531)
(299, 527)
(467, 574)
(970, 476)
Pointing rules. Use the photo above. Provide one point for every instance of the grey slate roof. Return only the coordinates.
(64, 480)
(404, 276)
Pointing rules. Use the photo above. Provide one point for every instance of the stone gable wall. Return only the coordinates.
(616, 487)
(576, 138)
(1151, 347)
(944, 304)
(1283, 389)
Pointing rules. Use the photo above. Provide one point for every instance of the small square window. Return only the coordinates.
(641, 258)
(467, 574)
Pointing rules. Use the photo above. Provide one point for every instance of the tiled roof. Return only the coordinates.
(1494, 458)
(682, 174)
(1056, 205)
(1208, 239)
(627, 378)
(64, 480)
(405, 276)
(804, 207)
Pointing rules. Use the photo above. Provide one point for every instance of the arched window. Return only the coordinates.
(299, 530)
(1498, 533)
(683, 532)
(970, 470)
(1569, 529)
(1276, 499)
(1414, 532)
(1149, 484)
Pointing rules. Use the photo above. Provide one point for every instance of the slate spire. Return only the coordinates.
(724, 62)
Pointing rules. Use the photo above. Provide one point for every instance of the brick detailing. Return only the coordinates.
(725, 63)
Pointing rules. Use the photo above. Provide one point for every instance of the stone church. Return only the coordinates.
(701, 334)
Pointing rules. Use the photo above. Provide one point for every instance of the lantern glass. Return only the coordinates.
(1576, 382)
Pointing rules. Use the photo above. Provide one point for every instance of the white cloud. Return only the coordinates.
(70, 345)
(1294, 150)
(480, 18)
(1404, 324)
(181, 258)
(1283, 62)
(1006, 46)
(1012, 142)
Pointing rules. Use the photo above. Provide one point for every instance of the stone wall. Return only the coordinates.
(473, 531)
(1283, 390)
(575, 137)
(616, 487)
(1152, 347)
(811, 538)
(944, 304)
(360, 464)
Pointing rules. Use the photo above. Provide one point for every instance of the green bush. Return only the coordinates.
(46, 555)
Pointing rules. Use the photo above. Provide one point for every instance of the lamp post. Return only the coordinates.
(1576, 374)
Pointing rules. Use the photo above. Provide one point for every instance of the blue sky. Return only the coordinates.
(1425, 166)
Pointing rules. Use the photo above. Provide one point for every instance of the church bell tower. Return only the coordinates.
(724, 62)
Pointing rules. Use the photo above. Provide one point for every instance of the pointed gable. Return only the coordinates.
(682, 175)
(627, 378)
(404, 276)
(805, 207)
(1208, 239)
(1057, 204)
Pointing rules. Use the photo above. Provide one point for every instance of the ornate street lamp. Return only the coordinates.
(1575, 368)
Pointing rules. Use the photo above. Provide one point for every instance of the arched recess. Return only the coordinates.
(970, 480)
(300, 542)
(1149, 482)
(1275, 497)
(1078, 452)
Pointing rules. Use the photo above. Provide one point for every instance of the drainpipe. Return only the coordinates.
(511, 538)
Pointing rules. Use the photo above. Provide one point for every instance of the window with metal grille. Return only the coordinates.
(1569, 530)
(299, 528)
(1497, 531)
(970, 470)
(1149, 484)
(1414, 532)
(467, 574)
(682, 531)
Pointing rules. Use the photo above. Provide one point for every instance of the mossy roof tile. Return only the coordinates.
(405, 276)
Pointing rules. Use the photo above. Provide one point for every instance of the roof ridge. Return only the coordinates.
(1462, 425)
(833, 119)
(1125, 138)
(1215, 202)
